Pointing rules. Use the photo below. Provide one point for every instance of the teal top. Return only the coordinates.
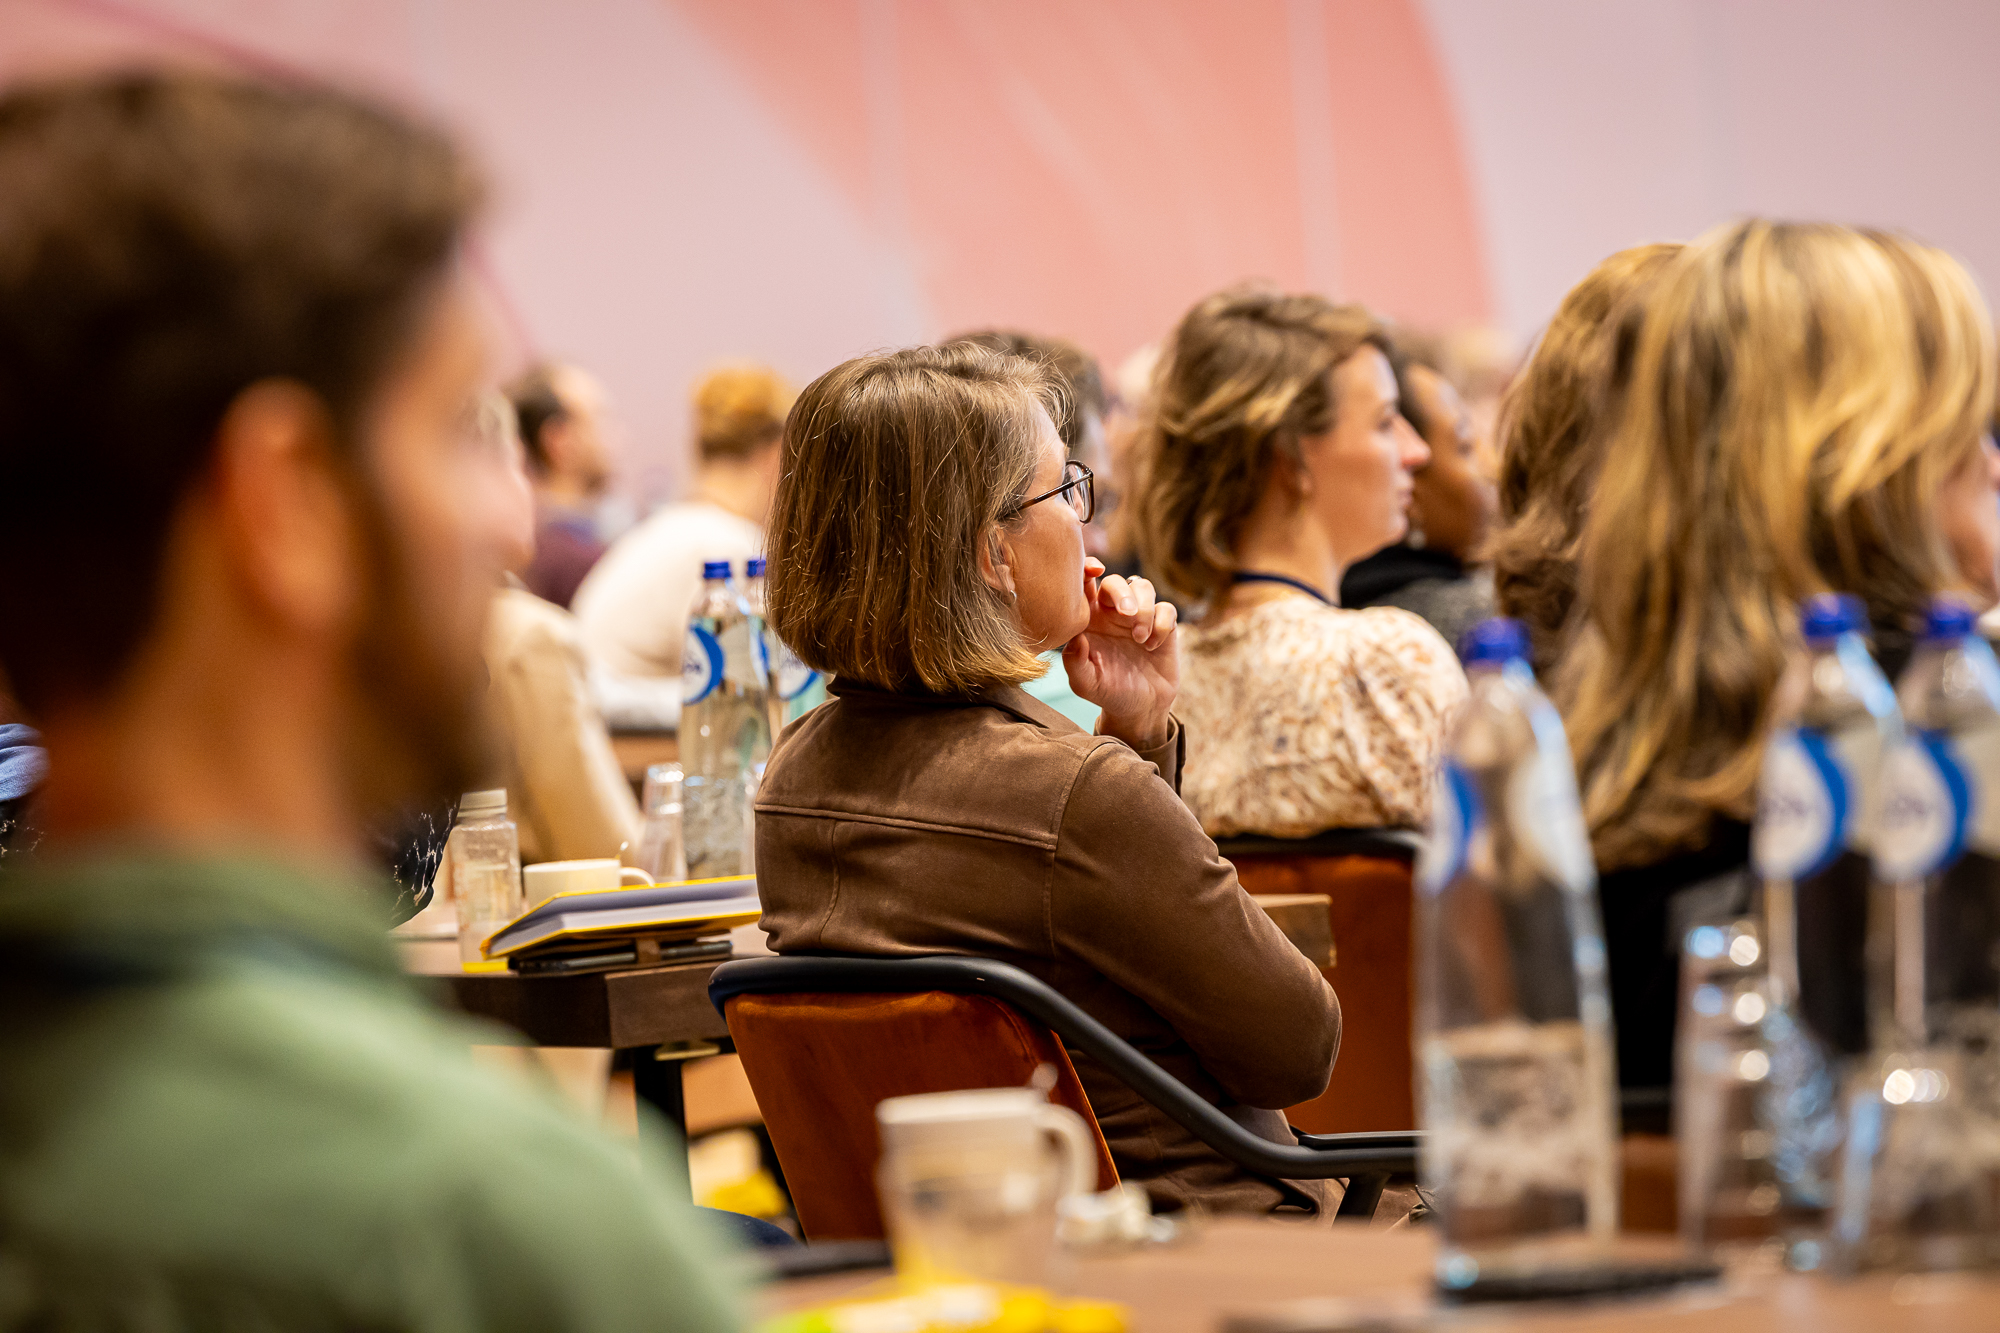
(1052, 688)
(224, 1106)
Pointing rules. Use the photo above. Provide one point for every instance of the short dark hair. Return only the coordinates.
(1082, 381)
(167, 240)
(536, 404)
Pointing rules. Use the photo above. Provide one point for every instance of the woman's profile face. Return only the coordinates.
(1045, 551)
(1359, 471)
(1453, 501)
(1969, 515)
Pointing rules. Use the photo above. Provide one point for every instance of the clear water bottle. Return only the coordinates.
(1817, 804)
(482, 857)
(796, 689)
(1920, 1180)
(1517, 1081)
(725, 724)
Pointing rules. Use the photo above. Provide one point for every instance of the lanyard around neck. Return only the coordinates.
(1252, 576)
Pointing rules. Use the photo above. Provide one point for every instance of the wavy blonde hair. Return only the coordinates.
(1548, 458)
(1798, 396)
(1249, 374)
(739, 408)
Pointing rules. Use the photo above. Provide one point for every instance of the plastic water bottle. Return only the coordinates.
(1817, 805)
(482, 857)
(1920, 1178)
(796, 689)
(725, 724)
(1517, 1080)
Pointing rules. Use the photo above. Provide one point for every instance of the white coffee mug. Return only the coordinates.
(599, 874)
(971, 1183)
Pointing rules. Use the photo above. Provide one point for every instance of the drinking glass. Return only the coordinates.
(662, 851)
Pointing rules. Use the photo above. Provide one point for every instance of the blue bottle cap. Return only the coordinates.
(1947, 620)
(1494, 642)
(1826, 616)
(754, 567)
(715, 569)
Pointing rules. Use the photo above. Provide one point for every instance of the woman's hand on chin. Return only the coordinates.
(1127, 662)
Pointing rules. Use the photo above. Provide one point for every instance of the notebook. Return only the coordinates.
(654, 911)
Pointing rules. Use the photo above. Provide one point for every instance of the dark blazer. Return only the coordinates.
(990, 824)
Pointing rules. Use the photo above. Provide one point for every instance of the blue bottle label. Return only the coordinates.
(1805, 803)
(794, 677)
(1457, 814)
(1929, 796)
(701, 666)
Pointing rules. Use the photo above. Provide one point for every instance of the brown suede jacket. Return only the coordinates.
(990, 824)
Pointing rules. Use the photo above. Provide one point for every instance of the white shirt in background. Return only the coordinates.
(634, 606)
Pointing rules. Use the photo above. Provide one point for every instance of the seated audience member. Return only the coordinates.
(1082, 430)
(1548, 442)
(926, 546)
(560, 413)
(1276, 458)
(1451, 506)
(1804, 410)
(238, 348)
(634, 607)
(566, 792)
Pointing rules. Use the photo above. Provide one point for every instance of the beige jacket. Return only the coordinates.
(992, 825)
(565, 790)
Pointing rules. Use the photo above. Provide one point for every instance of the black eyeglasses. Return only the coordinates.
(1078, 489)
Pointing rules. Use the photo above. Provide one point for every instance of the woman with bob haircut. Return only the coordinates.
(1805, 411)
(1276, 457)
(1548, 439)
(926, 544)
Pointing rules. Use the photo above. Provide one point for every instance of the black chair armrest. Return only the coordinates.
(1399, 844)
(1324, 1157)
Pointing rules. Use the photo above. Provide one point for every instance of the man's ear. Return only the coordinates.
(284, 527)
(996, 561)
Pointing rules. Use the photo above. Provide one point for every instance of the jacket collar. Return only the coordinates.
(1010, 699)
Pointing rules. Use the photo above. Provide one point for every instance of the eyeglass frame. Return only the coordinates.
(1084, 478)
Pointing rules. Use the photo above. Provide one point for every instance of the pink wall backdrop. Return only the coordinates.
(685, 181)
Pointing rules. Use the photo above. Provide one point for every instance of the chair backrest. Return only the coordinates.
(819, 1063)
(1366, 876)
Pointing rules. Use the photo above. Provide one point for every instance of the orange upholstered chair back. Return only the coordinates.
(819, 1063)
(1372, 899)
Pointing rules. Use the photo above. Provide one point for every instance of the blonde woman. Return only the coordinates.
(1275, 458)
(1805, 411)
(1548, 438)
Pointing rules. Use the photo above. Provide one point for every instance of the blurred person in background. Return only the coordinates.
(1803, 410)
(239, 348)
(1549, 440)
(1082, 432)
(1275, 459)
(1128, 403)
(634, 607)
(566, 792)
(1431, 571)
(560, 412)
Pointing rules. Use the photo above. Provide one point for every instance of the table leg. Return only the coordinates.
(657, 1083)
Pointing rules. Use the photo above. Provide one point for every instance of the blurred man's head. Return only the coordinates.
(237, 360)
(560, 411)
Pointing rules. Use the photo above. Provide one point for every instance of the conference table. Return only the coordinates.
(1258, 1275)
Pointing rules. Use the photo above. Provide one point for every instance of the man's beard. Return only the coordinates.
(415, 736)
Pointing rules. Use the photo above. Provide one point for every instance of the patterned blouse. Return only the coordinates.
(1302, 717)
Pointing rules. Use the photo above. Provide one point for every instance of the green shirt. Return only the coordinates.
(223, 1106)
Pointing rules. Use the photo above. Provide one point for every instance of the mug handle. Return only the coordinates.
(1079, 1146)
(642, 879)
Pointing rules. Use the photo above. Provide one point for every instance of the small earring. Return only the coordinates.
(1012, 597)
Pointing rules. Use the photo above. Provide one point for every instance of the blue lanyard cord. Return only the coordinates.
(1251, 576)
